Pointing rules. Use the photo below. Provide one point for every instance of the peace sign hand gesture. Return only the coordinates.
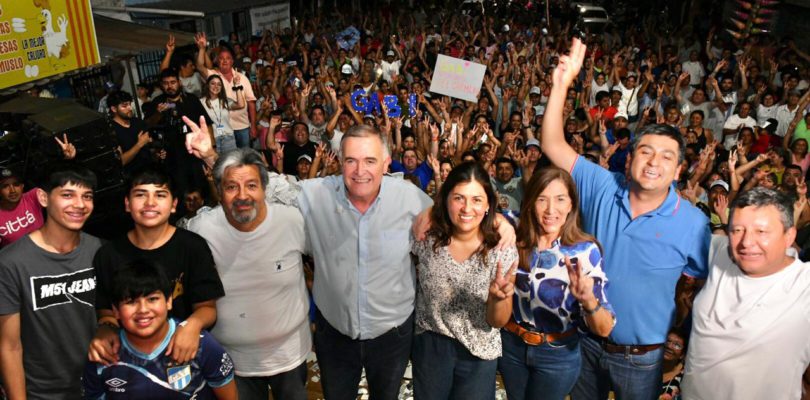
(502, 287)
(580, 284)
(68, 149)
(198, 141)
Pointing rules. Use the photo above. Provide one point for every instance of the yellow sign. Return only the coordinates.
(42, 38)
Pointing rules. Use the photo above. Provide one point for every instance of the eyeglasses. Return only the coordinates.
(675, 345)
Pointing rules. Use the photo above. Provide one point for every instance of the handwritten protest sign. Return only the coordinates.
(42, 39)
(457, 78)
(270, 17)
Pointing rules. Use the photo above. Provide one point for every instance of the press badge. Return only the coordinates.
(219, 130)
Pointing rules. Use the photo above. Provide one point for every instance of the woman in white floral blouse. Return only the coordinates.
(464, 292)
(559, 290)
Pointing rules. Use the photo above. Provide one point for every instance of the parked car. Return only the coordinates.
(593, 19)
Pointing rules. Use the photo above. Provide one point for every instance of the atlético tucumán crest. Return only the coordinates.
(179, 377)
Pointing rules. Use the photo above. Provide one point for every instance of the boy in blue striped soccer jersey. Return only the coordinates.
(141, 303)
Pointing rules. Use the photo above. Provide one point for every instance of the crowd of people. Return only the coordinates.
(619, 212)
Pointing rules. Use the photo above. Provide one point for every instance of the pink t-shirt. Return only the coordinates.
(22, 220)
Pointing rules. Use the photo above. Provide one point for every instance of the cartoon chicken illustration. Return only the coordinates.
(55, 41)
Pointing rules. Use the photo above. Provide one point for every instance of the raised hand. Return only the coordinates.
(434, 164)
(580, 285)
(198, 140)
(610, 150)
(502, 288)
(720, 204)
(732, 161)
(279, 152)
(434, 132)
(521, 159)
(170, 44)
(320, 149)
(201, 40)
(689, 192)
(569, 65)
(68, 149)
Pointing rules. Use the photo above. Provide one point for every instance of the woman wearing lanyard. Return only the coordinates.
(559, 288)
(218, 105)
(464, 292)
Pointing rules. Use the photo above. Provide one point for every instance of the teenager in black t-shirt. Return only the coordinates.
(183, 256)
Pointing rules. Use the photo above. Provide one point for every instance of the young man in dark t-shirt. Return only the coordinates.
(47, 288)
(132, 133)
(182, 255)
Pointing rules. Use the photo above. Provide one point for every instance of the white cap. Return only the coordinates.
(719, 182)
(532, 142)
(535, 90)
(390, 53)
(346, 69)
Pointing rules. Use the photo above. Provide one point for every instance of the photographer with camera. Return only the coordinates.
(132, 133)
(164, 117)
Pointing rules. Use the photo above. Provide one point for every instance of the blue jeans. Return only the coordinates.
(341, 359)
(242, 137)
(544, 372)
(225, 144)
(290, 385)
(443, 369)
(631, 377)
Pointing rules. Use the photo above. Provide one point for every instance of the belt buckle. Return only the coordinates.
(528, 333)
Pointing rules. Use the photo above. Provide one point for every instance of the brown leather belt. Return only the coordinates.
(536, 338)
(636, 349)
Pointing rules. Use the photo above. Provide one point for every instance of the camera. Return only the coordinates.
(158, 136)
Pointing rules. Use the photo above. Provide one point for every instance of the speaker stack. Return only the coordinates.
(30, 125)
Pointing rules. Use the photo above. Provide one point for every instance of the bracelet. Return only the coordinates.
(237, 88)
(595, 309)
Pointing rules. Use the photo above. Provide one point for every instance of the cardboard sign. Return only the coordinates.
(38, 40)
(270, 17)
(457, 78)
